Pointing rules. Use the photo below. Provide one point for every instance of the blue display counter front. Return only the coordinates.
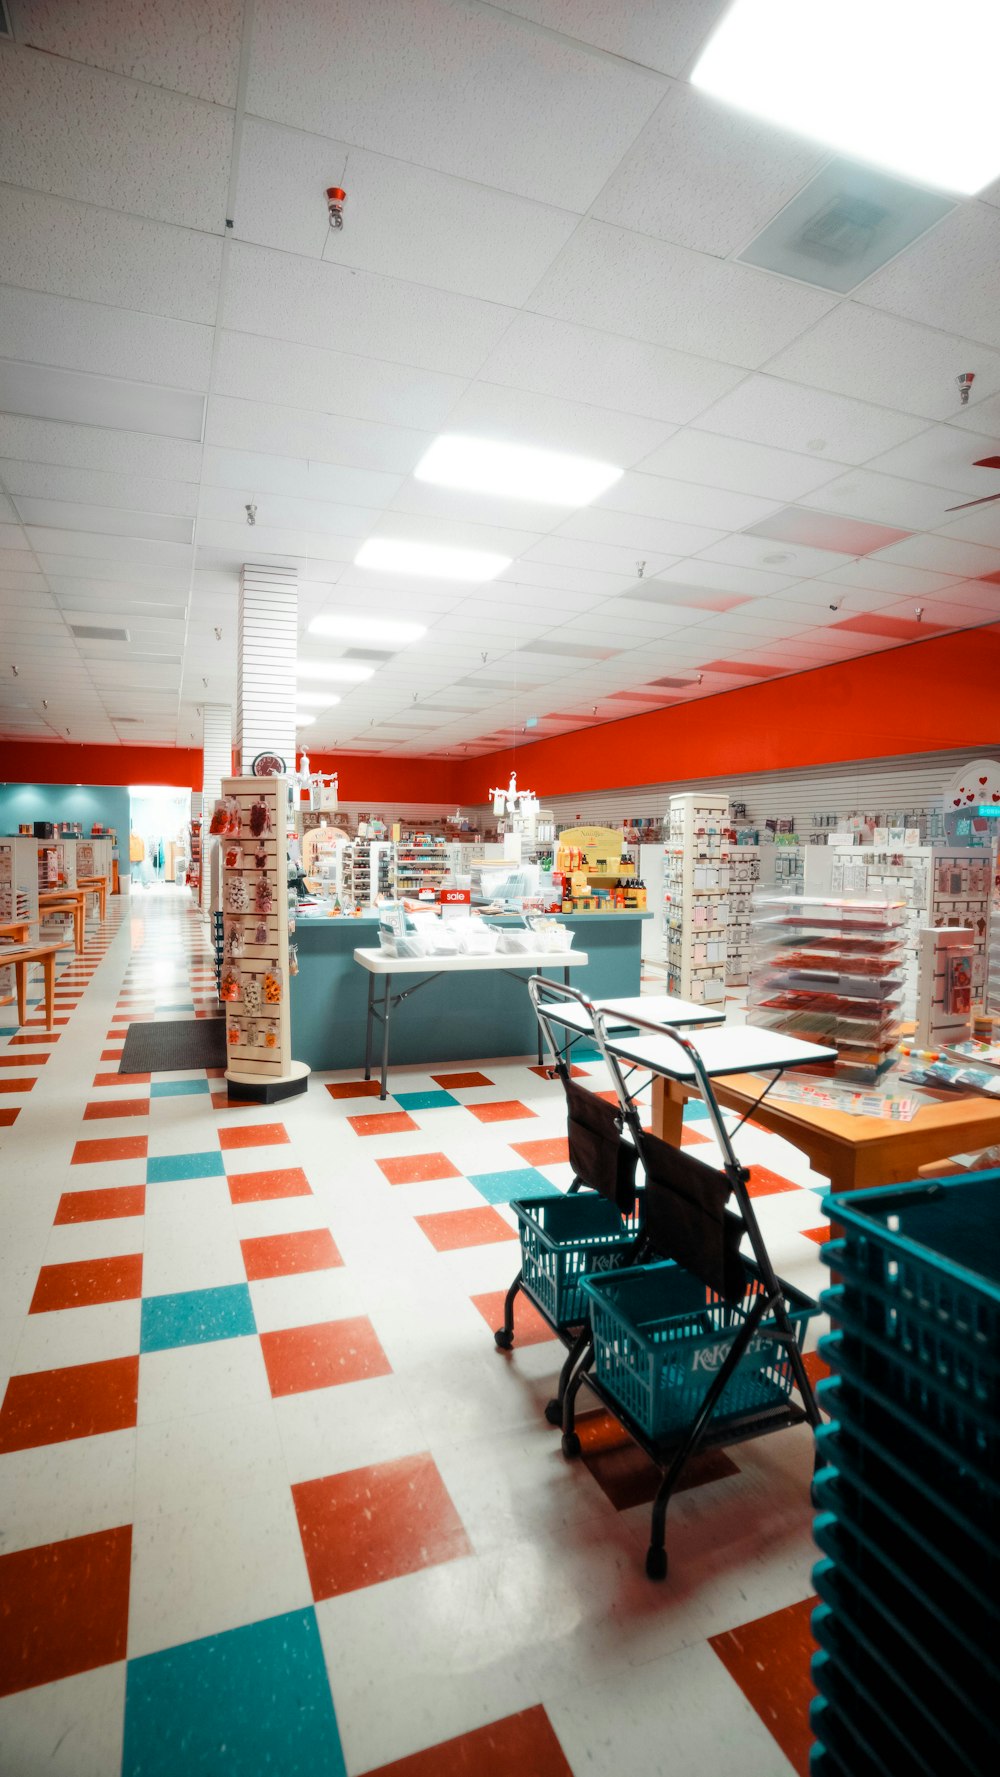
(455, 1018)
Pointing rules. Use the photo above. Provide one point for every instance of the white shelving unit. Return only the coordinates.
(961, 894)
(744, 877)
(696, 897)
(18, 896)
(255, 944)
(422, 864)
(900, 873)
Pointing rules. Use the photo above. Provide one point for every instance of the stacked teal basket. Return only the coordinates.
(908, 1627)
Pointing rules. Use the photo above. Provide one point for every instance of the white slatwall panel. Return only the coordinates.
(265, 686)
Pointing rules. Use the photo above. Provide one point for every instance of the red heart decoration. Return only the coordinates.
(996, 795)
(957, 800)
(970, 797)
(982, 780)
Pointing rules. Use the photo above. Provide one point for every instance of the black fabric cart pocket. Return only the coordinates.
(687, 1219)
(598, 1155)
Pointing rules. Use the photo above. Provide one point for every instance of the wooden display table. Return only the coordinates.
(96, 885)
(17, 929)
(20, 961)
(66, 901)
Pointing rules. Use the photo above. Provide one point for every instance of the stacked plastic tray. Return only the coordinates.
(830, 971)
(909, 1498)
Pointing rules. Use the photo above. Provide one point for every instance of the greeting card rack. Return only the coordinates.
(255, 966)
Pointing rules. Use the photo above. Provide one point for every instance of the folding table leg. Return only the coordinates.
(368, 1031)
(386, 1009)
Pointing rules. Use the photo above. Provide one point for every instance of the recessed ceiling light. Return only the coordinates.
(366, 629)
(515, 471)
(342, 671)
(302, 721)
(867, 79)
(437, 560)
(317, 700)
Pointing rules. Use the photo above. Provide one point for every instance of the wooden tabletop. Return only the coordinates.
(28, 953)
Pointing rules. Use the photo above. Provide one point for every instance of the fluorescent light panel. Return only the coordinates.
(436, 561)
(303, 721)
(366, 629)
(317, 700)
(515, 471)
(907, 87)
(337, 671)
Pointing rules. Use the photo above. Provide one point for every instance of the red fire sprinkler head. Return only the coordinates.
(336, 197)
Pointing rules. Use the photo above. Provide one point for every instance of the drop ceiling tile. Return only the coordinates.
(736, 669)
(766, 410)
(12, 538)
(983, 593)
(871, 356)
(289, 431)
(561, 358)
(796, 562)
(817, 530)
(292, 375)
(424, 528)
(16, 582)
(946, 555)
(638, 534)
(727, 577)
(471, 93)
(559, 583)
(705, 175)
(424, 499)
(979, 524)
(15, 559)
(103, 341)
(70, 249)
(942, 456)
(65, 571)
(39, 391)
(885, 499)
(948, 279)
(106, 521)
(285, 296)
(278, 511)
(605, 557)
(692, 455)
(94, 487)
(980, 416)
(944, 612)
(686, 602)
(668, 295)
(684, 502)
(657, 37)
(121, 144)
(900, 629)
(880, 575)
(182, 47)
(134, 553)
(94, 447)
(517, 416)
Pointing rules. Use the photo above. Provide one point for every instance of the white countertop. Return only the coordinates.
(659, 1008)
(733, 1049)
(378, 963)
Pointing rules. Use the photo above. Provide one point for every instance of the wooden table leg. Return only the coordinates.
(21, 977)
(50, 991)
(668, 1111)
(79, 927)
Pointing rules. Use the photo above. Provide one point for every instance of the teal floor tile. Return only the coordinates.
(252, 1702)
(695, 1111)
(424, 1101)
(177, 1088)
(196, 1317)
(164, 1168)
(522, 1181)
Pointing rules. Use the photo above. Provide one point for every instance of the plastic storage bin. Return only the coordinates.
(564, 1238)
(660, 1336)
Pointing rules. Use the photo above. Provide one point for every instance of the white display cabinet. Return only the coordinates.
(18, 896)
(961, 894)
(744, 878)
(696, 897)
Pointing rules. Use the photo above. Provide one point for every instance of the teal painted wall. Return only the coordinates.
(106, 804)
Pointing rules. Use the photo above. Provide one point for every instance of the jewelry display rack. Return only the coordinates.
(696, 897)
(744, 876)
(255, 944)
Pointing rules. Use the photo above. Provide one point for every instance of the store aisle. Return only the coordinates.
(270, 1500)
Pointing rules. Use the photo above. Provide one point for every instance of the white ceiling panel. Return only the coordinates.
(94, 447)
(478, 96)
(656, 36)
(141, 494)
(706, 176)
(980, 525)
(251, 368)
(132, 552)
(517, 417)
(285, 296)
(884, 499)
(794, 559)
(728, 577)
(111, 342)
(656, 291)
(880, 575)
(187, 46)
(767, 410)
(685, 502)
(946, 554)
(879, 358)
(560, 358)
(121, 144)
(292, 432)
(949, 278)
(425, 498)
(75, 250)
(635, 532)
(944, 456)
(278, 511)
(40, 392)
(609, 558)
(252, 474)
(692, 455)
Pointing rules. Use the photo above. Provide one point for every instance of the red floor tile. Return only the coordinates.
(281, 1255)
(625, 1474)
(818, 1234)
(816, 1367)
(84, 1282)
(543, 1153)
(691, 1139)
(769, 1659)
(263, 1187)
(221, 1101)
(65, 1610)
(122, 1147)
(22, 1060)
(505, 1110)
(101, 1206)
(354, 1089)
(465, 1227)
(111, 1054)
(373, 1524)
(122, 1079)
(81, 1401)
(459, 1082)
(409, 1169)
(253, 1135)
(9, 1116)
(521, 1745)
(765, 1183)
(321, 1356)
(548, 1072)
(33, 1037)
(23, 1083)
(382, 1123)
(116, 1107)
(529, 1326)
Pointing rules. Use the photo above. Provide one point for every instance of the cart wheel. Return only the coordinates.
(570, 1444)
(656, 1563)
(553, 1412)
(502, 1339)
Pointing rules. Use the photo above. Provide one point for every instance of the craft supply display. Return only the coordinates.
(250, 820)
(696, 897)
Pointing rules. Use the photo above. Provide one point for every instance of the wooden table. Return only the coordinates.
(852, 1152)
(18, 929)
(66, 901)
(96, 885)
(20, 961)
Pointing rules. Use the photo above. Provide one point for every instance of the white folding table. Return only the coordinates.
(382, 967)
(733, 1049)
(620, 1015)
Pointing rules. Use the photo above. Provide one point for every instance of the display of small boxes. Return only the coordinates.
(696, 897)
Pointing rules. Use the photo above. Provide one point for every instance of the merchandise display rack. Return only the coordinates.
(419, 864)
(255, 920)
(696, 897)
(830, 971)
(744, 876)
(18, 898)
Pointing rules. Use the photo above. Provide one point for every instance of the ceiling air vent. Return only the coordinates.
(377, 654)
(93, 632)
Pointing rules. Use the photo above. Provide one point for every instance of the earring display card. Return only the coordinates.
(254, 899)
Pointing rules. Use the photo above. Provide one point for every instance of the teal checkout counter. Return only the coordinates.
(458, 1017)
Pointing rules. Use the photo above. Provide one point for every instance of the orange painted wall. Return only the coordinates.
(361, 780)
(923, 698)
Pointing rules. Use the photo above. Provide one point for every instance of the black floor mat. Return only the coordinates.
(173, 1045)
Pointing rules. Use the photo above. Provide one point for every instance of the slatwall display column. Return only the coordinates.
(216, 763)
(255, 944)
(265, 689)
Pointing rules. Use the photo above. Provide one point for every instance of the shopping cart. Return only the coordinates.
(563, 1237)
(702, 1347)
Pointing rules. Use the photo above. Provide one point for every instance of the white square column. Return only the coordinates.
(268, 644)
